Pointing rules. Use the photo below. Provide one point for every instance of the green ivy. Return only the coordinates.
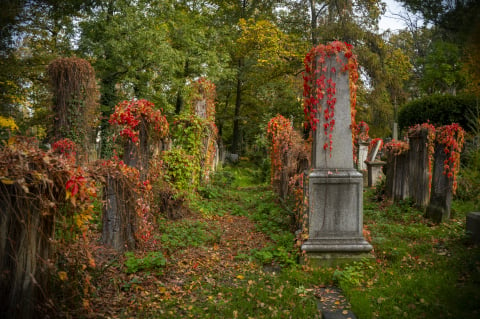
(152, 261)
(181, 169)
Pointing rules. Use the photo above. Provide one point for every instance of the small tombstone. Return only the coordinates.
(375, 172)
(440, 204)
(373, 153)
(374, 167)
(473, 226)
(419, 182)
(362, 155)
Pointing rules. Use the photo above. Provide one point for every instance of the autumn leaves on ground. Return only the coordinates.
(234, 256)
(223, 260)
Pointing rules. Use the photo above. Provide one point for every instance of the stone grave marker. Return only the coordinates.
(374, 167)
(362, 155)
(373, 153)
(335, 187)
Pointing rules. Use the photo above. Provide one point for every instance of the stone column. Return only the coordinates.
(335, 187)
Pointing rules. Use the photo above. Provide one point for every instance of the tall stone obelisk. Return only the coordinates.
(335, 187)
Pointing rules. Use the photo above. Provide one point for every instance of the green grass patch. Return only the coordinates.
(421, 270)
(188, 233)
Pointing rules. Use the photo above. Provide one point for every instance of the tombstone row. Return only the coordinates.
(416, 170)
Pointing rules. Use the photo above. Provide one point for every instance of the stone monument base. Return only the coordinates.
(333, 259)
(335, 218)
(330, 252)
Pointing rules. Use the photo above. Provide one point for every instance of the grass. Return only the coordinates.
(206, 270)
(421, 270)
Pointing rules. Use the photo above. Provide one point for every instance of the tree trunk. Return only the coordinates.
(313, 23)
(236, 119)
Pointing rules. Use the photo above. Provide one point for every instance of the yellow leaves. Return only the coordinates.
(8, 122)
(241, 277)
(266, 43)
(7, 181)
(62, 275)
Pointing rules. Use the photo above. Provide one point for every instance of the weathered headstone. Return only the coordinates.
(473, 226)
(375, 172)
(362, 155)
(440, 204)
(419, 182)
(373, 153)
(374, 167)
(335, 189)
(397, 173)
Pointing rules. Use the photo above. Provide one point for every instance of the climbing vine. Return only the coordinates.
(396, 148)
(128, 116)
(451, 138)
(279, 131)
(75, 104)
(429, 130)
(290, 157)
(318, 89)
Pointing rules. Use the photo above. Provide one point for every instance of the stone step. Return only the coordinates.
(332, 304)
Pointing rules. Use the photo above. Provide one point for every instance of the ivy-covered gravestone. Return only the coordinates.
(335, 187)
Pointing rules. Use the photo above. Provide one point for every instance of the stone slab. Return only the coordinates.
(334, 259)
(339, 314)
(333, 304)
(473, 226)
(374, 172)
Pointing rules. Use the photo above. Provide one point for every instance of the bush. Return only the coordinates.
(438, 110)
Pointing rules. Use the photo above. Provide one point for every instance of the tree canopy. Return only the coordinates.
(252, 50)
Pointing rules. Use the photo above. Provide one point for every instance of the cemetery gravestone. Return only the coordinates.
(362, 155)
(335, 187)
(473, 226)
(419, 168)
(374, 167)
(440, 204)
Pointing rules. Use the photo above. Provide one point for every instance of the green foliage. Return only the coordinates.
(152, 261)
(188, 233)
(353, 275)
(181, 169)
(438, 110)
(442, 69)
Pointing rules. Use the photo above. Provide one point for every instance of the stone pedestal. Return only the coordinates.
(335, 219)
(374, 172)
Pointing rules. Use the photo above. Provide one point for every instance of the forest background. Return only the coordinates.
(252, 50)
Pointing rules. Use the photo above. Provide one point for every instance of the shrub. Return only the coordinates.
(438, 110)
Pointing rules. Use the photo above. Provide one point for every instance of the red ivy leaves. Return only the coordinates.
(129, 114)
(66, 148)
(451, 137)
(316, 87)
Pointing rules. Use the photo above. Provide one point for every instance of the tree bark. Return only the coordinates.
(236, 119)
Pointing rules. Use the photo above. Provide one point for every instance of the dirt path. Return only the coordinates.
(119, 294)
